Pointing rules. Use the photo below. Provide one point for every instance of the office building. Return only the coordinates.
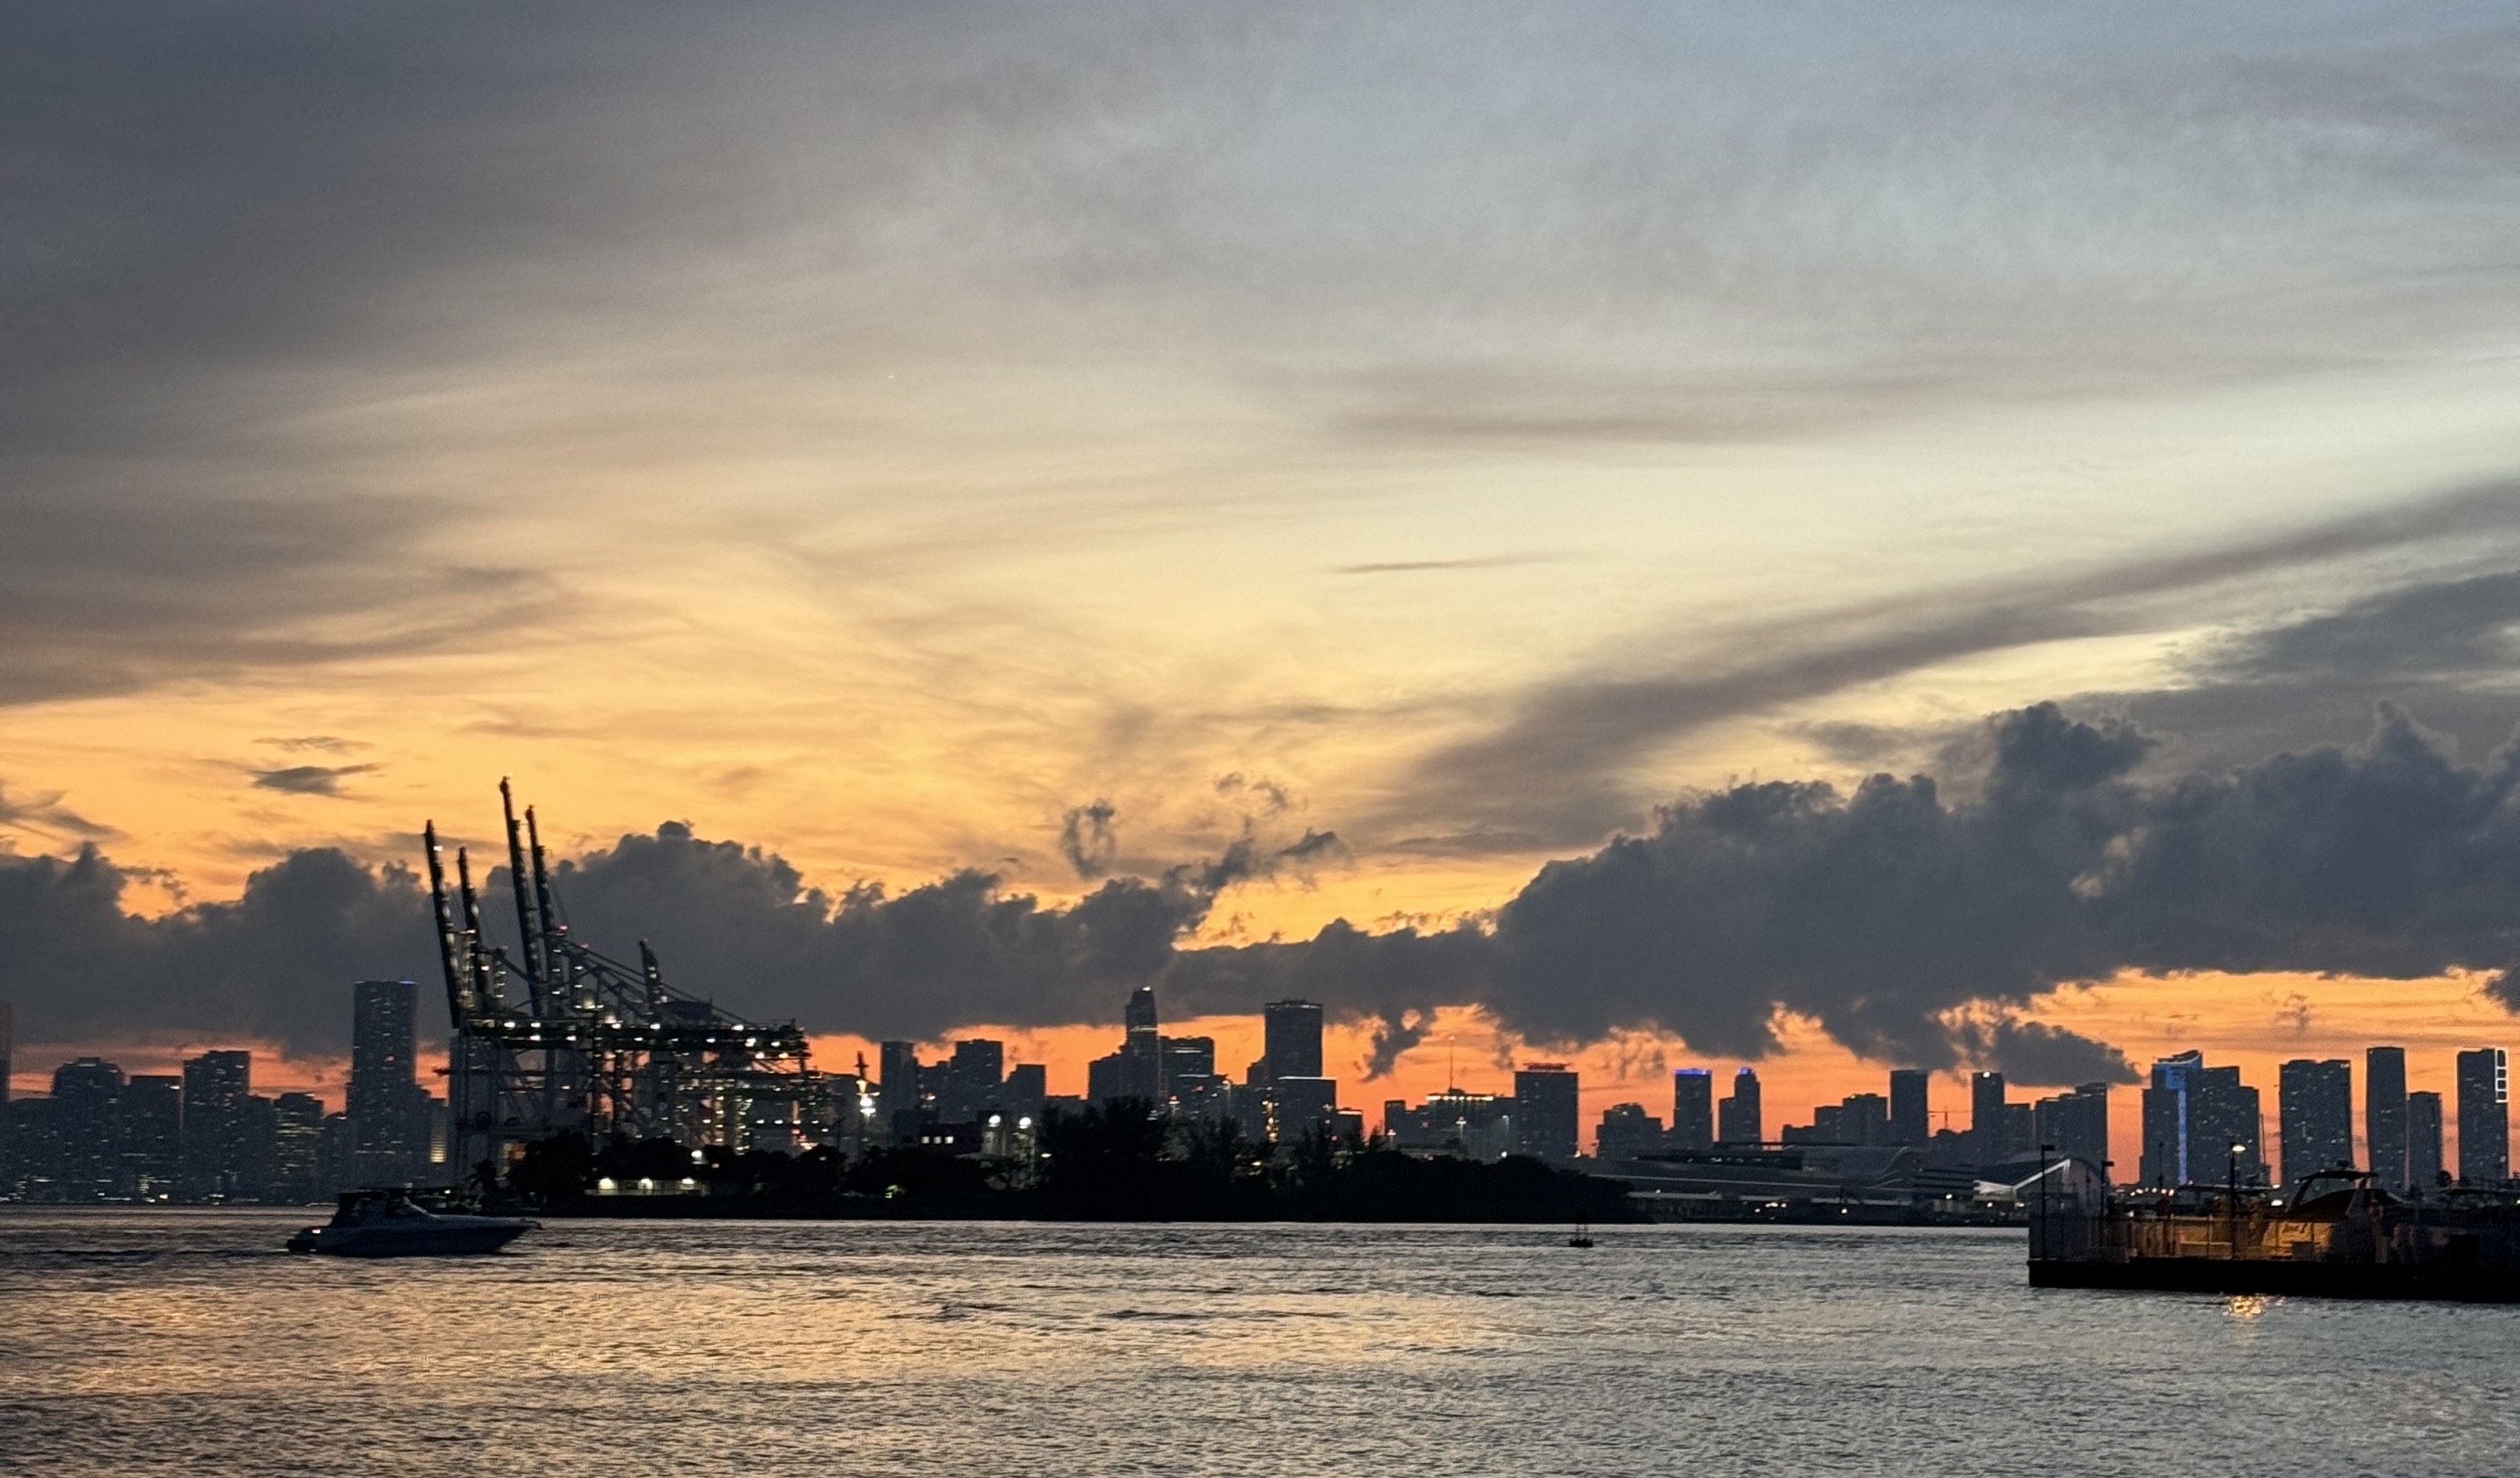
(1027, 1090)
(1692, 1109)
(1290, 1038)
(1910, 1115)
(2483, 1117)
(1474, 1126)
(2315, 1116)
(2075, 1124)
(2384, 1115)
(387, 1129)
(900, 1090)
(1862, 1119)
(86, 1093)
(217, 1135)
(151, 1119)
(1986, 1116)
(297, 1151)
(2424, 1163)
(1193, 1058)
(1546, 1110)
(1136, 1070)
(974, 1073)
(1626, 1132)
(2201, 1125)
(1299, 1105)
(1738, 1119)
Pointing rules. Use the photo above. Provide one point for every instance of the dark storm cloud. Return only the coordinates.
(2034, 1051)
(308, 780)
(274, 966)
(1561, 769)
(1910, 925)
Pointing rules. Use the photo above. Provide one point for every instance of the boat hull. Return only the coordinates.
(436, 1238)
(2286, 1279)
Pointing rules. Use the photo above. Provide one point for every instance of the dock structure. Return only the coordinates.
(2339, 1235)
(559, 1036)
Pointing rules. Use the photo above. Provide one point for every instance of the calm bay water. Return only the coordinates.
(185, 1342)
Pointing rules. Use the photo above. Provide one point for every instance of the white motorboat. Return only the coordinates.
(394, 1224)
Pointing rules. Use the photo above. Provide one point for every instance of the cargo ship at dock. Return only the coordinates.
(2337, 1235)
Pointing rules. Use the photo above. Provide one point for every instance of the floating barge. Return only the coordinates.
(2340, 1236)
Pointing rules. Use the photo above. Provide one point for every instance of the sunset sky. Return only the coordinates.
(1384, 452)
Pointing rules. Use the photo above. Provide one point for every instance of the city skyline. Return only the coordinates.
(2321, 1112)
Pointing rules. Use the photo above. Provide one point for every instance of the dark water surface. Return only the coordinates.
(186, 1342)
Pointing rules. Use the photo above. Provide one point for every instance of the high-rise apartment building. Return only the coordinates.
(1986, 1116)
(1692, 1109)
(1626, 1132)
(2314, 1115)
(217, 1140)
(1546, 1113)
(2384, 1115)
(1027, 1090)
(386, 1131)
(297, 1149)
(2483, 1117)
(86, 1094)
(2200, 1125)
(2075, 1124)
(2424, 1163)
(1738, 1119)
(1137, 1069)
(976, 1073)
(1290, 1034)
(1910, 1115)
(152, 1124)
(1863, 1119)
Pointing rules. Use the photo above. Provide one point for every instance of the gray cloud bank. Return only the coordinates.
(1912, 926)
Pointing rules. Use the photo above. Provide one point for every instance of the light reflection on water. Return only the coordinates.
(165, 1342)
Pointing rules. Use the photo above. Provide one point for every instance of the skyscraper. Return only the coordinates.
(2483, 1117)
(2193, 1115)
(1692, 1109)
(2075, 1124)
(386, 1135)
(152, 1124)
(1910, 1115)
(897, 1080)
(217, 1129)
(2423, 1140)
(298, 1143)
(8, 1025)
(1291, 1038)
(975, 1075)
(86, 1093)
(1544, 1110)
(1738, 1119)
(1027, 1088)
(2314, 1115)
(2384, 1114)
(1986, 1116)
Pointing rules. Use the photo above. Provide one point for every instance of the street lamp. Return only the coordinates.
(2237, 1150)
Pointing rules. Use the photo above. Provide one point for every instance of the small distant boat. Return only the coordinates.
(1583, 1236)
(395, 1224)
